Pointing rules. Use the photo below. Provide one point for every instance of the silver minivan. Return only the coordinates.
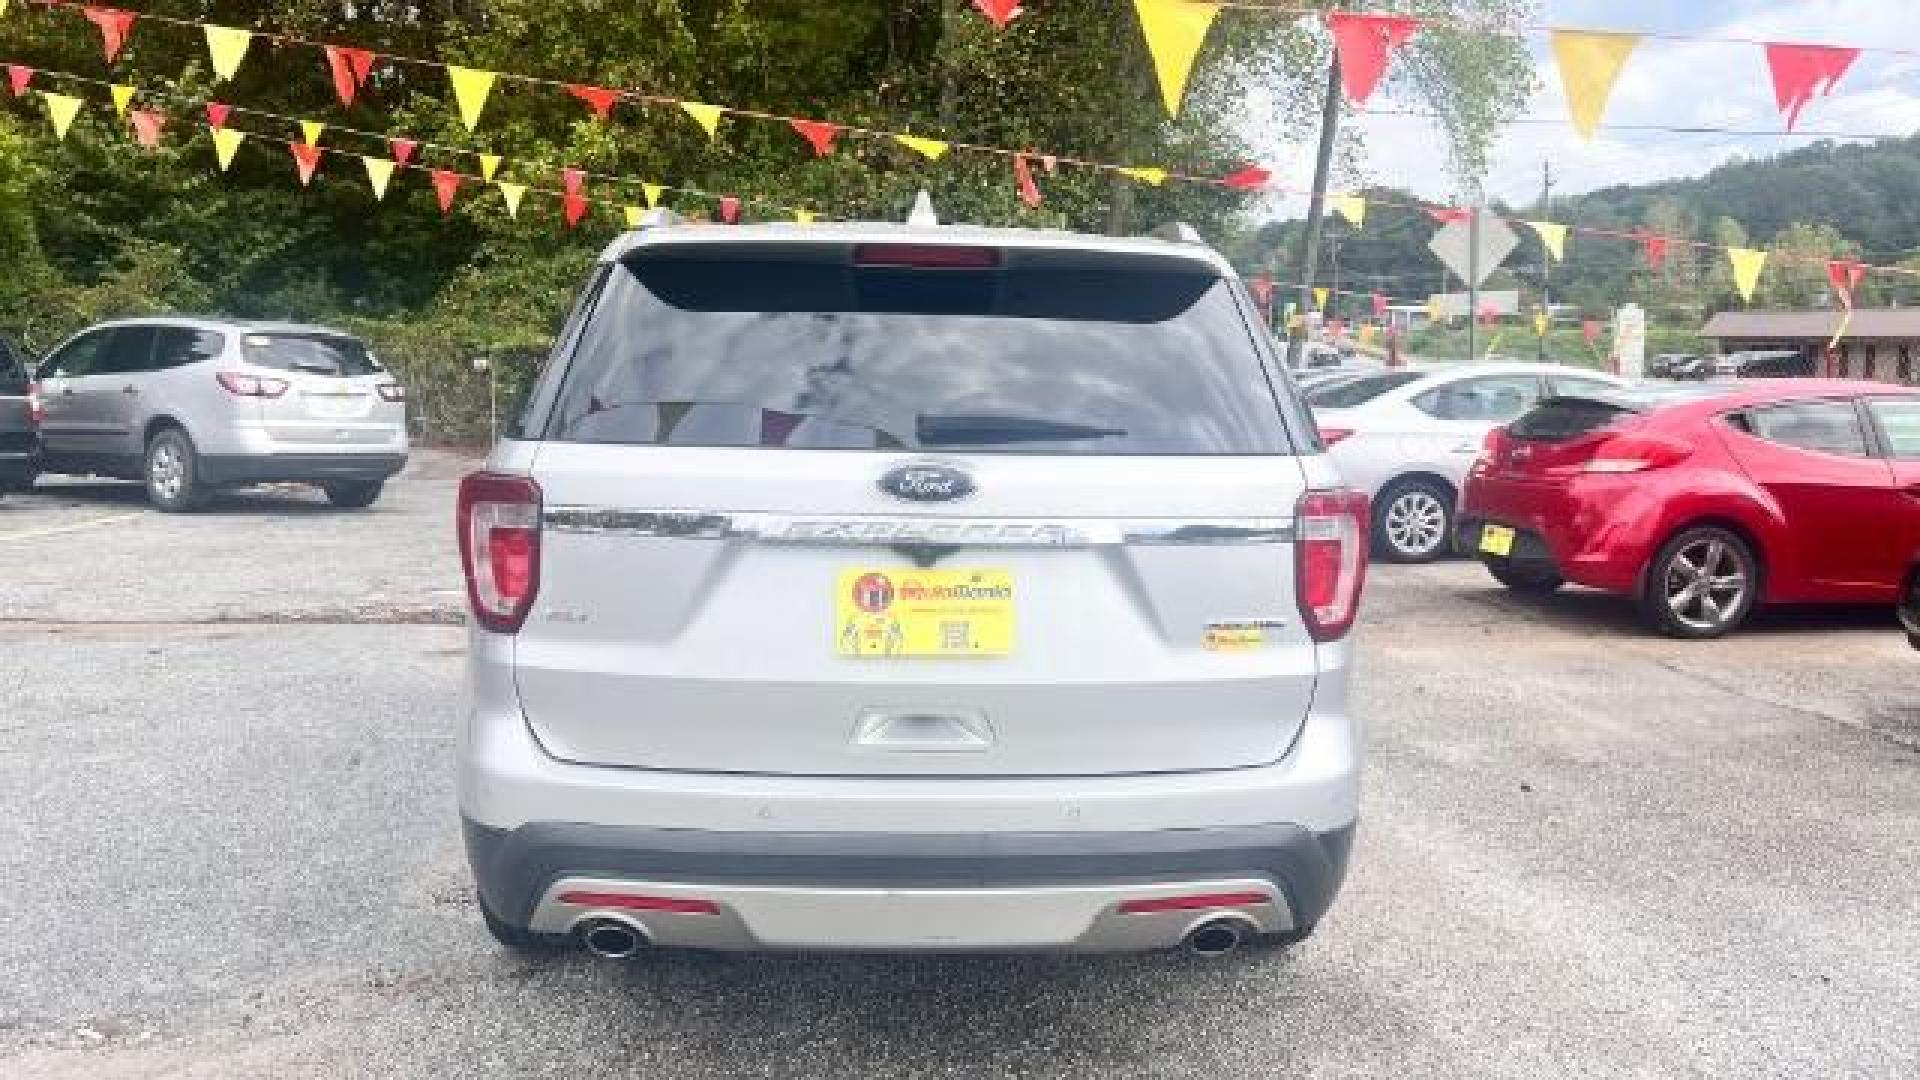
(194, 405)
(909, 588)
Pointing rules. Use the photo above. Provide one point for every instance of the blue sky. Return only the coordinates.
(1709, 84)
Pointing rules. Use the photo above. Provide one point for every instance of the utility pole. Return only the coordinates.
(1317, 208)
(1546, 257)
(1473, 284)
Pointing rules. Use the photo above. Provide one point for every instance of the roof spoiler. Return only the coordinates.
(660, 217)
(1178, 232)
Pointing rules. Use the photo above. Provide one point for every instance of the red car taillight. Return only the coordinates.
(499, 523)
(1636, 453)
(1330, 560)
(1331, 435)
(392, 392)
(240, 384)
(36, 409)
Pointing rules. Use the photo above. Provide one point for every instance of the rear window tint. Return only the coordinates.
(1350, 392)
(1825, 427)
(1565, 419)
(806, 351)
(318, 354)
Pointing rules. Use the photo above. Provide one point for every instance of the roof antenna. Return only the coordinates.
(923, 214)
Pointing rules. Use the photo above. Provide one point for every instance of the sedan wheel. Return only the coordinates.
(1413, 521)
(1701, 585)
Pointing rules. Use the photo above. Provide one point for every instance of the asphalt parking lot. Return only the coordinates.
(231, 847)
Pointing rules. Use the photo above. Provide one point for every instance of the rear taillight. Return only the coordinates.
(1491, 448)
(1330, 560)
(499, 523)
(1636, 453)
(675, 905)
(240, 384)
(36, 409)
(392, 391)
(1332, 435)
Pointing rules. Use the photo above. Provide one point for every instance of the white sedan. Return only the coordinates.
(1407, 437)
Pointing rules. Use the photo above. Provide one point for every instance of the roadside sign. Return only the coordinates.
(1453, 246)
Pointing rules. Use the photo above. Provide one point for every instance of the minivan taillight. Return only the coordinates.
(1330, 560)
(499, 523)
(240, 384)
(36, 409)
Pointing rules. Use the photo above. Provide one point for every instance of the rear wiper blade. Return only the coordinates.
(985, 430)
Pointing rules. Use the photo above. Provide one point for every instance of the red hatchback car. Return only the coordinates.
(1705, 500)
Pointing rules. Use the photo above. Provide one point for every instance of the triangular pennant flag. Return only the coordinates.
(1147, 174)
(1590, 63)
(19, 77)
(351, 68)
(1803, 72)
(306, 158)
(1251, 178)
(122, 97)
(805, 217)
(226, 142)
(379, 173)
(489, 165)
(635, 216)
(1436, 311)
(513, 193)
(707, 116)
(653, 193)
(1380, 305)
(403, 151)
(114, 26)
(61, 109)
(598, 98)
(1023, 180)
(147, 126)
(1747, 264)
(1655, 247)
(217, 113)
(1542, 322)
(1590, 329)
(998, 12)
(1846, 276)
(227, 46)
(3, 7)
(1321, 294)
(1364, 43)
(1262, 289)
(311, 130)
(1554, 236)
(1353, 208)
(730, 209)
(1175, 31)
(1449, 215)
(446, 184)
(818, 132)
(575, 208)
(931, 149)
(471, 87)
(572, 180)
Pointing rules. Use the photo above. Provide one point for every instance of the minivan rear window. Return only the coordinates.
(318, 354)
(1040, 354)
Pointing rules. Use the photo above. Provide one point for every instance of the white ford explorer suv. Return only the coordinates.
(909, 588)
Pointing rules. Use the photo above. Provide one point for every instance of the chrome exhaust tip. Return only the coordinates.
(611, 939)
(1217, 937)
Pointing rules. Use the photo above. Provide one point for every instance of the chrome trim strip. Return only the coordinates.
(856, 531)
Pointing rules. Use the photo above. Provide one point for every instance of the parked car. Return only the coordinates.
(1679, 366)
(19, 420)
(194, 405)
(881, 587)
(1765, 364)
(1705, 503)
(1318, 377)
(1407, 437)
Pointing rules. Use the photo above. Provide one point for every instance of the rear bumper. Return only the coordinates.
(1598, 532)
(298, 468)
(907, 892)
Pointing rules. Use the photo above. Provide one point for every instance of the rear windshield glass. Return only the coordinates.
(1350, 392)
(314, 353)
(1567, 418)
(806, 350)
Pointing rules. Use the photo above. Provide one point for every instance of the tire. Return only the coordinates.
(353, 494)
(524, 942)
(172, 473)
(1674, 602)
(1524, 579)
(1413, 521)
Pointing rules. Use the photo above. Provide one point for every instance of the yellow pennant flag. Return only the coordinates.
(3, 7)
(1175, 31)
(227, 46)
(1320, 297)
(310, 130)
(379, 171)
(61, 109)
(1747, 264)
(1435, 311)
(635, 216)
(1554, 236)
(122, 97)
(931, 149)
(489, 164)
(470, 89)
(805, 217)
(1147, 174)
(1541, 322)
(1353, 208)
(226, 141)
(513, 193)
(1590, 63)
(708, 116)
(654, 191)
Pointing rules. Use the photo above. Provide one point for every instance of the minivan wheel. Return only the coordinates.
(353, 494)
(173, 473)
(1412, 521)
(1702, 584)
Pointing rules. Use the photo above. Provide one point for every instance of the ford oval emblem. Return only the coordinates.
(926, 482)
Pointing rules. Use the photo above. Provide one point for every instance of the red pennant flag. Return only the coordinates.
(1448, 215)
(574, 206)
(1802, 72)
(306, 158)
(598, 98)
(351, 69)
(1262, 289)
(403, 150)
(574, 180)
(1000, 12)
(19, 76)
(446, 185)
(730, 210)
(147, 126)
(1251, 178)
(217, 113)
(1489, 315)
(1590, 329)
(1655, 246)
(1364, 43)
(1336, 327)
(114, 26)
(818, 132)
(1846, 275)
(1023, 179)
(1379, 305)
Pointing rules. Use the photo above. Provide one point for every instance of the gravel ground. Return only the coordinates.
(231, 848)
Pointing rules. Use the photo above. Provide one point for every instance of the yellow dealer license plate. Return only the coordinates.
(1496, 540)
(924, 613)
